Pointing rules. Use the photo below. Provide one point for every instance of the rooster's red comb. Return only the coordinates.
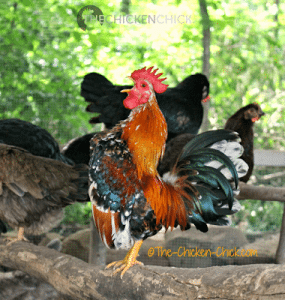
(153, 78)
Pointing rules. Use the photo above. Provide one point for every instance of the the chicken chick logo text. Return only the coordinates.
(196, 252)
(97, 15)
(135, 19)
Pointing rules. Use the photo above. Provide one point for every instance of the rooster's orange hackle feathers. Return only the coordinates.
(144, 126)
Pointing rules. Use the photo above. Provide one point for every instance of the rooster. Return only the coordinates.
(131, 201)
(242, 122)
(36, 180)
(181, 105)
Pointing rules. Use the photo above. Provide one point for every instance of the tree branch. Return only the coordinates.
(73, 277)
(263, 193)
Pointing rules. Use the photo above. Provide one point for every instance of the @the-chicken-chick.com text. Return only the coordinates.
(197, 252)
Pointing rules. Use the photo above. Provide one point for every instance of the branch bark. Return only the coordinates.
(263, 193)
(73, 277)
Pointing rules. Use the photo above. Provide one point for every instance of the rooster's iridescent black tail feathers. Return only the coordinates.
(214, 155)
(206, 139)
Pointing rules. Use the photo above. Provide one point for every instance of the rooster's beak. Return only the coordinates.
(125, 91)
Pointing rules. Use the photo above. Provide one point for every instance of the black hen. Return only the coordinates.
(181, 106)
(173, 149)
(34, 139)
(36, 181)
(78, 149)
(242, 122)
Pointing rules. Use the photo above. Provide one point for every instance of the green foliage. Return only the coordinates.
(261, 215)
(78, 213)
(246, 66)
(38, 71)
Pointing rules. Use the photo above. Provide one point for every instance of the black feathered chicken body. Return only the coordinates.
(33, 138)
(78, 149)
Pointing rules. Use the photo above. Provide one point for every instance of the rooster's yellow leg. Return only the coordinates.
(20, 237)
(129, 260)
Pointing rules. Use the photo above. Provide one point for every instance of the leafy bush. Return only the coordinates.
(78, 213)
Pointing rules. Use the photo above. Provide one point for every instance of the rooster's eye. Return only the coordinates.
(143, 85)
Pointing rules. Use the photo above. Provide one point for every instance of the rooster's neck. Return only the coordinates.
(145, 132)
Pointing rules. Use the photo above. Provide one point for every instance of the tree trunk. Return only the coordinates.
(125, 6)
(206, 24)
(280, 254)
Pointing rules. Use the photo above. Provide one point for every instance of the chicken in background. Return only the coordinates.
(242, 122)
(181, 105)
(36, 179)
(132, 202)
(78, 149)
(173, 149)
(32, 138)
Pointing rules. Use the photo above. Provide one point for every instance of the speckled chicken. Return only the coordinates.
(242, 122)
(131, 201)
